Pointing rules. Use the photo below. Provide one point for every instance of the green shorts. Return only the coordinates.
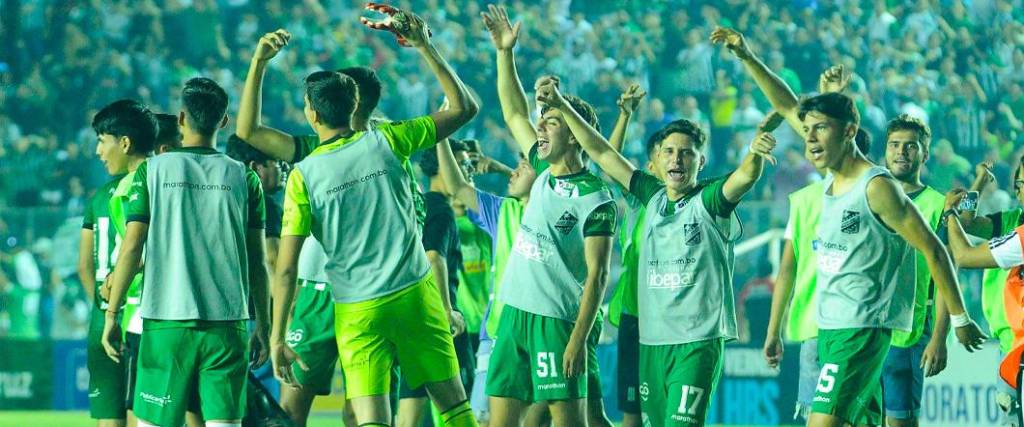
(408, 327)
(677, 381)
(532, 343)
(188, 365)
(850, 383)
(593, 367)
(107, 382)
(311, 335)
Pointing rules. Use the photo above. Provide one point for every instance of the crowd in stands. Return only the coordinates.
(959, 65)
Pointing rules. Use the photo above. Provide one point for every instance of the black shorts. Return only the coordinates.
(131, 355)
(467, 369)
(628, 372)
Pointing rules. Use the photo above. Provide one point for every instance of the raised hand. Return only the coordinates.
(409, 29)
(503, 33)
(835, 79)
(629, 101)
(733, 40)
(983, 175)
(548, 93)
(954, 197)
(270, 44)
(762, 145)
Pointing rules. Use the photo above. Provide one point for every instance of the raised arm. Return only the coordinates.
(896, 210)
(752, 166)
(515, 108)
(774, 88)
(973, 224)
(460, 188)
(628, 102)
(270, 141)
(610, 161)
(461, 106)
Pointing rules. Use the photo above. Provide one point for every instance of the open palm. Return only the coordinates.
(503, 33)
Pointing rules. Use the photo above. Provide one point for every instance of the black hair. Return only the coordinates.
(239, 150)
(168, 133)
(863, 141)
(682, 126)
(128, 118)
(369, 87)
(205, 104)
(428, 160)
(834, 105)
(908, 122)
(332, 95)
(581, 107)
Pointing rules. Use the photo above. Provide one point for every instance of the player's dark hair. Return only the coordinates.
(169, 134)
(682, 126)
(332, 95)
(581, 107)
(834, 105)
(428, 160)
(863, 141)
(128, 118)
(205, 103)
(239, 150)
(369, 87)
(908, 122)
(1016, 173)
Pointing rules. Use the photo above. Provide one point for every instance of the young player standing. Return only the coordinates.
(197, 287)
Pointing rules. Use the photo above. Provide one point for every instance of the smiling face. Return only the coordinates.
(113, 152)
(828, 140)
(904, 155)
(521, 181)
(679, 162)
(554, 140)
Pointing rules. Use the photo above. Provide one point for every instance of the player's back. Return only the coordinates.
(201, 203)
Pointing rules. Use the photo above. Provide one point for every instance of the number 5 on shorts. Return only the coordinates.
(546, 365)
(827, 379)
(691, 409)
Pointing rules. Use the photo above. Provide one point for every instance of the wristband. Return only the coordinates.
(960, 320)
(948, 213)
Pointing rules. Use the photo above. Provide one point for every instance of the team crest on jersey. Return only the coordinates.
(566, 222)
(691, 234)
(851, 222)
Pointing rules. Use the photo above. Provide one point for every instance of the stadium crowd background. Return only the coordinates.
(958, 65)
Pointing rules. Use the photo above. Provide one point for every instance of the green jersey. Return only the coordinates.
(475, 275)
(624, 300)
(131, 321)
(995, 280)
(930, 203)
(804, 210)
(105, 239)
(600, 222)
(510, 217)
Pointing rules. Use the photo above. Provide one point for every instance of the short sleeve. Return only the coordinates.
(788, 234)
(273, 222)
(89, 218)
(257, 215)
(297, 219)
(137, 204)
(409, 136)
(713, 196)
(490, 208)
(1007, 250)
(437, 233)
(304, 145)
(602, 221)
(644, 186)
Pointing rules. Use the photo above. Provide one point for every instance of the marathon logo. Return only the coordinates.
(555, 386)
(366, 178)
